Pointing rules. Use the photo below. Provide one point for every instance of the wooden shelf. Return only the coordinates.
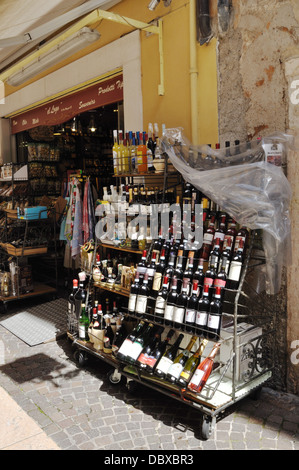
(119, 248)
(119, 290)
(38, 289)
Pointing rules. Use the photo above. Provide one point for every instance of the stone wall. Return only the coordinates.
(255, 82)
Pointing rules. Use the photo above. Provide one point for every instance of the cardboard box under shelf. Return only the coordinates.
(38, 250)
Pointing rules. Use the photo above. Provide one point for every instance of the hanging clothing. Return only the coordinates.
(73, 226)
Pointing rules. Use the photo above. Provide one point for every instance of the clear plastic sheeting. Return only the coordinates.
(244, 184)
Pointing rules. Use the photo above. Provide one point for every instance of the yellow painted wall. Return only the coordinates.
(174, 108)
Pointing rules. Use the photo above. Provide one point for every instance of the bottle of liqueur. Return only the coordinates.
(171, 302)
(167, 359)
(141, 153)
(156, 354)
(181, 304)
(147, 352)
(71, 300)
(191, 309)
(83, 324)
(179, 362)
(208, 239)
(80, 295)
(133, 294)
(191, 365)
(215, 315)
(142, 297)
(161, 301)
(139, 343)
(203, 309)
(233, 278)
(114, 153)
(141, 267)
(160, 268)
(108, 337)
(126, 345)
(203, 371)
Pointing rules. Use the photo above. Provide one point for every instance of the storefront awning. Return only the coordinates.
(63, 109)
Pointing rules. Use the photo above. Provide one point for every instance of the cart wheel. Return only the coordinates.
(132, 386)
(114, 377)
(80, 357)
(207, 427)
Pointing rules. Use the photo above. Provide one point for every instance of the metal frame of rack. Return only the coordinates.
(222, 390)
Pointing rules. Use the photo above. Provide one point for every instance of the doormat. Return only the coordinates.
(38, 324)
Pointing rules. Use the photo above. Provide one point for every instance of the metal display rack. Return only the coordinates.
(249, 352)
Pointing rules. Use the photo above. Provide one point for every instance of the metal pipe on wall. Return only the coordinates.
(193, 73)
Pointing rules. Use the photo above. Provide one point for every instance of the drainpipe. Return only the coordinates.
(204, 21)
(193, 73)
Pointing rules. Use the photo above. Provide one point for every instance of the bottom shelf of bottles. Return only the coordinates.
(191, 369)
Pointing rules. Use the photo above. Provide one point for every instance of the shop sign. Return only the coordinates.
(64, 109)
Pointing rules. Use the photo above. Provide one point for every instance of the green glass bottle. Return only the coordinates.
(191, 365)
(179, 362)
(83, 324)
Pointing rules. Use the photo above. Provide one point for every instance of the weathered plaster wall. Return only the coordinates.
(254, 100)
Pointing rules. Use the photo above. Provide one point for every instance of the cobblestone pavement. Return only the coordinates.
(79, 408)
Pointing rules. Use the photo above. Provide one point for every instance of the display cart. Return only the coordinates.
(245, 365)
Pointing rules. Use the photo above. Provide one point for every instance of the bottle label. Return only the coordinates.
(208, 281)
(201, 318)
(160, 305)
(132, 302)
(237, 242)
(164, 365)
(141, 304)
(208, 238)
(235, 270)
(197, 377)
(178, 314)
(135, 351)
(185, 375)
(143, 358)
(220, 283)
(82, 331)
(157, 281)
(190, 316)
(125, 347)
(213, 321)
(150, 272)
(169, 310)
(219, 235)
(175, 370)
(225, 241)
(151, 361)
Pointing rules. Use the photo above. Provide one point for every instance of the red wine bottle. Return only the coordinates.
(133, 294)
(191, 309)
(203, 308)
(215, 316)
(181, 304)
(126, 345)
(148, 350)
(161, 301)
(155, 355)
(234, 275)
(166, 360)
(142, 298)
(171, 302)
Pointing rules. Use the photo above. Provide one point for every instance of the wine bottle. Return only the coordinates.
(208, 239)
(203, 308)
(167, 358)
(171, 302)
(83, 324)
(220, 232)
(191, 309)
(199, 275)
(160, 268)
(188, 273)
(230, 235)
(179, 362)
(142, 297)
(123, 350)
(80, 295)
(220, 280)
(141, 267)
(155, 355)
(242, 236)
(225, 257)
(191, 365)
(233, 278)
(108, 337)
(215, 254)
(120, 335)
(139, 343)
(147, 351)
(71, 300)
(161, 301)
(215, 315)
(169, 272)
(203, 371)
(178, 271)
(133, 294)
(151, 269)
(209, 277)
(181, 303)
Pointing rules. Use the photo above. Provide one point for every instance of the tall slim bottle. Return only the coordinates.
(203, 371)
(139, 343)
(83, 324)
(71, 301)
(126, 345)
(158, 352)
(115, 153)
